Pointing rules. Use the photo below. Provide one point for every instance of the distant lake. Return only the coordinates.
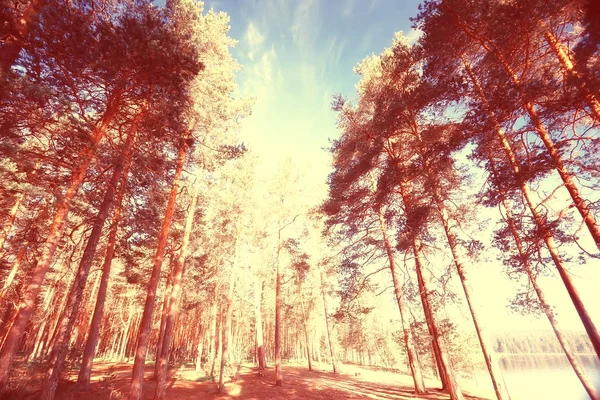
(545, 376)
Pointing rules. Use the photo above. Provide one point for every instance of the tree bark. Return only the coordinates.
(172, 309)
(32, 289)
(163, 319)
(304, 323)
(278, 372)
(137, 378)
(226, 335)
(13, 272)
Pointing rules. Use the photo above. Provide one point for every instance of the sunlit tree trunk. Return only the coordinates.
(217, 340)
(137, 378)
(172, 310)
(278, 373)
(9, 52)
(587, 384)
(94, 330)
(568, 65)
(260, 347)
(453, 388)
(65, 327)
(226, 335)
(163, 318)
(329, 338)
(32, 289)
(11, 219)
(413, 362)
(304, 324)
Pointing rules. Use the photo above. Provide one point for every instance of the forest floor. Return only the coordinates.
(111, 381)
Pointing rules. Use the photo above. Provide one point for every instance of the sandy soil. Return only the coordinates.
(110, 381)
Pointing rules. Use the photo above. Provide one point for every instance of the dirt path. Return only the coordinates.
(110, 381)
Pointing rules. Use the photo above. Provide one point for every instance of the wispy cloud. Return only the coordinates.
(254, 39)
(348, 8)
(306, 23)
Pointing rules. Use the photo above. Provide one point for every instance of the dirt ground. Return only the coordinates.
(110, 381)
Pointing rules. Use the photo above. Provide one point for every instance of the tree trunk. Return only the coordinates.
(589, 387)
(32, 289)
(486, 348)
(226, 335)
(163, 319)
(260, 347)
(304, 323)
(11, 219)
(278, 373)
(9, 52)
(172, 309)
(65, 327)
(89, 351)
(329, 339)
(137, 378)
(453, 389)
(413, 362)
(217, 340)
(567, 64)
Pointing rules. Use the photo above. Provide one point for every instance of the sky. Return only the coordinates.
(295, 55)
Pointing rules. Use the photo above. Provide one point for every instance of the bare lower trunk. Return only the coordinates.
(226, 333)
(163, 320)
(329, 339)
(93, 333)
(278, 372)
(304, 324)
(413, 362)
(172, 309)
(32, 289)
(260, 347)
(137, 378)
(453, 389)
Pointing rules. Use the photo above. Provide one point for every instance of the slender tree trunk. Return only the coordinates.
(200, 346)
(568, 65)
(587, 384)
(329, 339)
(486, 348)
(217, 340)
(9, 52)
(32, 289)
(61, 344)
(587, 321)
(163, 320)
(304, 323)
(453, 388)
(137, 378)
(226, 333)
(260, 347)
(89, 351)
(11, 219)
(172, 309)
(413, 362)
(278, 373)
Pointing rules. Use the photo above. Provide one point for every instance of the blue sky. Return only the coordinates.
(295, 55)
